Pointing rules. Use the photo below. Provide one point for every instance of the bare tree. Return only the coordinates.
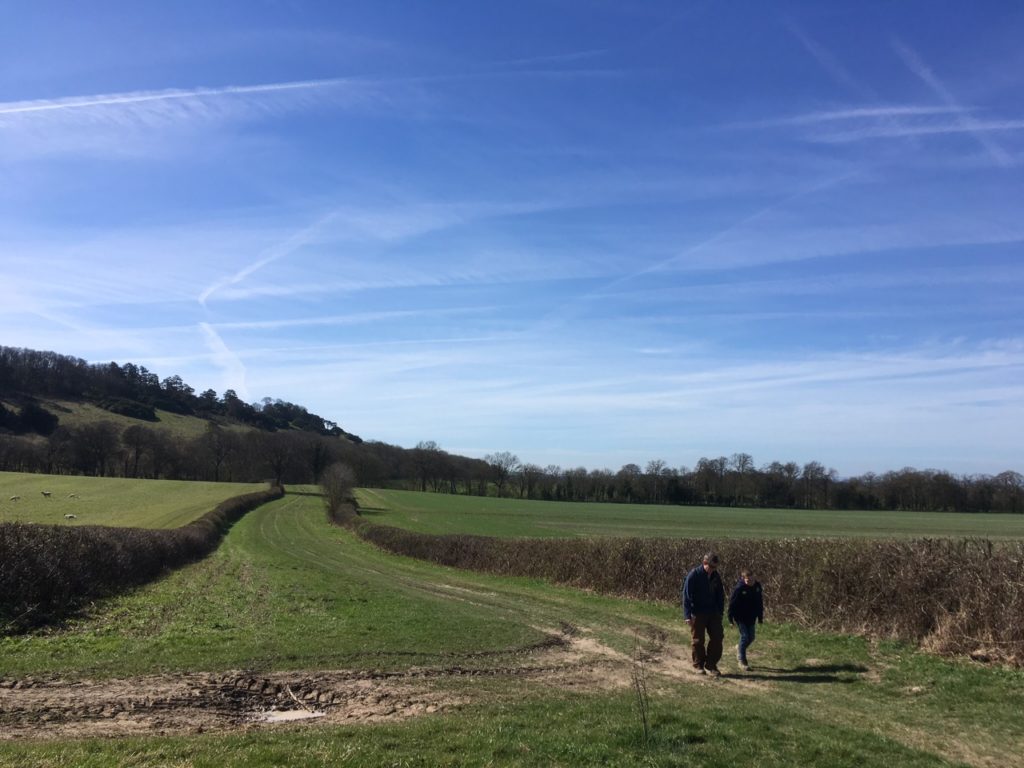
(426, 462)
(218, 445)
(653, 479)
(338, 482)
(528, 476)
(96, 447)
(743, 465)
(502, 465)
(137, 441)
(277, 452)
(1010, 490)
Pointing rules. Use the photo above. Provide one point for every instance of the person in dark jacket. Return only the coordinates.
(703, 605)
(746, 606)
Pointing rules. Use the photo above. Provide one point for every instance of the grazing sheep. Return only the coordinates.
(46, 493)
(72, 495)
(15, 498)
(69, 516)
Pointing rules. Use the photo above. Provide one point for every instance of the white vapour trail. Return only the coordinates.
(229, 362)
(966, 121)
(139, 97)
(273, 253)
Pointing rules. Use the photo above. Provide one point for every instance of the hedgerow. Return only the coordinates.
(950, 596)
(48, 571)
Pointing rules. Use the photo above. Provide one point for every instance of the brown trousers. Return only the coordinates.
(712, 624)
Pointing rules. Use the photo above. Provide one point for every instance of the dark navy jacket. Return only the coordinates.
(746, 604)
(703, 593)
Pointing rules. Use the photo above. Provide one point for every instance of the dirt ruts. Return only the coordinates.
(174, 703)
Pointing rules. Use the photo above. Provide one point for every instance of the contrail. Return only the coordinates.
(273, 253)
(230, 363)
(138, 97)
(969, 125)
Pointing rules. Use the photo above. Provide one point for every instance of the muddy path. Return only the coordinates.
(39, 708)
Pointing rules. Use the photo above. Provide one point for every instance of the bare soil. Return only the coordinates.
(38, 708)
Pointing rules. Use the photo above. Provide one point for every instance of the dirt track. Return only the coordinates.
(158, 704)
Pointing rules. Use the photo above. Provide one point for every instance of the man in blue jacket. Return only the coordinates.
(703, 606)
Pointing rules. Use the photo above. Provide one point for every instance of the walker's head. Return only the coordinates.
(710, 562)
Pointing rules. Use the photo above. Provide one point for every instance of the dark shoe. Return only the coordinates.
(713, 671)
(699, 670)
(744, 666)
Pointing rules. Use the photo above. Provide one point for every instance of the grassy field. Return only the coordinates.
(442, 513)
(110, 501)
(286, 591)
(76, 414)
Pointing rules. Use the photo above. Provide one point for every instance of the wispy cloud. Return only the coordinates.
(144, 97)
(828, 62)
(873, 113)
(168, 103)
(234, 373)
(275, 252)
(191, 103)
(128, 123)
(978, 128)
(556, 58)
(966, 122)
(745, 245)
(361, 318)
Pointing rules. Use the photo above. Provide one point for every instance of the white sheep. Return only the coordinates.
(15, 498)
(69, 516)
(72, 495)
(46, 493)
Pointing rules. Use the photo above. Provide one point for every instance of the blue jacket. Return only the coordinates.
(746, 604)
(703, 593)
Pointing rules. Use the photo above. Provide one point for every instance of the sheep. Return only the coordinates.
(69, 516)
(72, 495)
(47, 494)
(15, 498)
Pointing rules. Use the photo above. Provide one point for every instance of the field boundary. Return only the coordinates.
(49, 571)
(951, 596)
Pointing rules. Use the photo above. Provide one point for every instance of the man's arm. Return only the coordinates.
(687, 598)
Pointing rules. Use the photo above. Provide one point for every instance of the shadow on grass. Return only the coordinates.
(827, 673)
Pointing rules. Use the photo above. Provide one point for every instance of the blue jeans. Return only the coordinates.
(747, 634)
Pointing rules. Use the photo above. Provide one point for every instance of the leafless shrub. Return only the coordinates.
(952, 596)
(338, 481)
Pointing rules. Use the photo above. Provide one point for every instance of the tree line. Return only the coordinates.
(724, 481)
(282, 442)
(241, 454)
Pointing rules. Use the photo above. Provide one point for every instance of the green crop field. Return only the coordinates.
(424, 666)
(443, 513)
(109, 500)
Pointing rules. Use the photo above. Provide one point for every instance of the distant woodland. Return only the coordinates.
(280, 441)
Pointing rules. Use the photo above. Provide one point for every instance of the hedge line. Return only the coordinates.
(47, 571)
(949, 596)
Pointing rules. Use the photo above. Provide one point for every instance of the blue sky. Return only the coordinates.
(588, 233)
